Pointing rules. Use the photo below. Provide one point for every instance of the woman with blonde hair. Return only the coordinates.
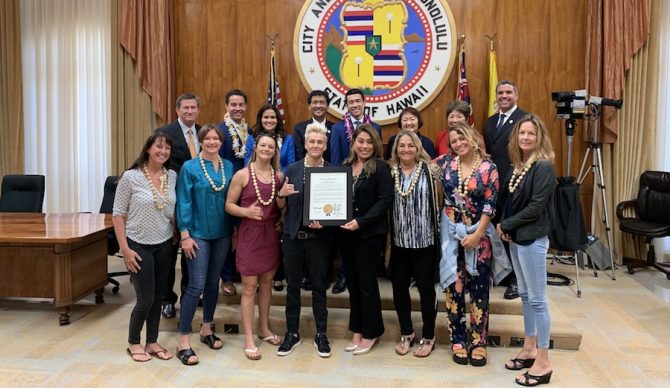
(527, 197)
(253, 197)
(414, 240)
(470, 182)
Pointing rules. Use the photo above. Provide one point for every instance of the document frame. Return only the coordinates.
(328, 195)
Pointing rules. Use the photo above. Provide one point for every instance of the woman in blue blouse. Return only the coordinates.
(205, 230)
(268, 119)
(470, 193)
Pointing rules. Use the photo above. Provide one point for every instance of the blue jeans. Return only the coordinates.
(530, 266)
(203, 278)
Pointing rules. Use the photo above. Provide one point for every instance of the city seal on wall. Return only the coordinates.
(398, 52)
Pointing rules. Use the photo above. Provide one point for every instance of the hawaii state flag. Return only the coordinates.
(463, 93)
(274, 95)
(493, 82)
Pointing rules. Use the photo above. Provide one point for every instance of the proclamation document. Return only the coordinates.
(328, 195)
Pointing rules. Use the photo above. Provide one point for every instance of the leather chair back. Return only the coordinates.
(22, 193)
(653, 198)
(107, 205)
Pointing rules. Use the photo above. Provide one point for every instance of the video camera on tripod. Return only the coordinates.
(572, 105)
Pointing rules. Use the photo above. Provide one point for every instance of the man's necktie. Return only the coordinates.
(501, 121)
(356, 124)
(191, 145)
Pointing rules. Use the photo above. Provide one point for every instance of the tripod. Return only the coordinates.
(597, 168)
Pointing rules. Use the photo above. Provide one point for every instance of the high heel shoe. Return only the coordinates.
(406, 343)
(544, 379)
(360, 350)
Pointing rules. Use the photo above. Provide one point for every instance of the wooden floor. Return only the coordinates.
(625, 326)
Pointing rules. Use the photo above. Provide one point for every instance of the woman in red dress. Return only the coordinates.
(253, 196)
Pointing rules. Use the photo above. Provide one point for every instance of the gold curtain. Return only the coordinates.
(11, 89)
(147, 34)
(634, 151)
(132, 116)
(615, 31)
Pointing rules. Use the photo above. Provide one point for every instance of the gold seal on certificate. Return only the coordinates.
(328, 196)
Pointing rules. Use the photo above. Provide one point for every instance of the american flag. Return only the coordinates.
(274, 95)
(463, 93)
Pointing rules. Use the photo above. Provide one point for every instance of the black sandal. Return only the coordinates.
(520, 363)
(184, 354)
(460, 356)
(544, 379)
(210, 340)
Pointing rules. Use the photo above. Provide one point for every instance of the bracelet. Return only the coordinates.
(186, 238)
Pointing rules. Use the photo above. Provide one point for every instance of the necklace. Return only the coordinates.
(160, 200)
(321, 164)
(412, 185)
(516, 178)
(209, 178)
(252, 166)
(462, 186)
(238, 133)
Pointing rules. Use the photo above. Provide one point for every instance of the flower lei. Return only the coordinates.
(239, 133)
(516, 178)
(462, 187)
(160, 204)
(209, 178)
(395, 170)
(349, 125)
(255, 181)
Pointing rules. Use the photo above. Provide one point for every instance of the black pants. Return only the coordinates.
(171, 296)
(361, 256)
(308, 256)
(419, 263)
(149, 283)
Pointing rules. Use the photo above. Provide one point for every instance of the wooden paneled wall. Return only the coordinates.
(540, 44)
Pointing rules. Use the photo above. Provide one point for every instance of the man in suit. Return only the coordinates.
(496, 137)
(185, 146)
(318, 105)
(340, 139)
(235, 136)
(340, 143)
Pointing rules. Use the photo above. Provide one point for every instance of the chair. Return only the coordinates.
(652, 215)
(22, 193)
(107, 207)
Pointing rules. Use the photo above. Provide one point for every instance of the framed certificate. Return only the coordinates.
(328, 195)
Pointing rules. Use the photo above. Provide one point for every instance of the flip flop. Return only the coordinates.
(252, 354)
(132, 355)
(160, 354)
(271, 339)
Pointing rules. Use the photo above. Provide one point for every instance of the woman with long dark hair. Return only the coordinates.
(362, 239)
(143, 218)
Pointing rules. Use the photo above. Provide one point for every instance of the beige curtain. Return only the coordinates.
(11, 90)
(132, 115)
(147, 34)
(633, 152)
(615, 31)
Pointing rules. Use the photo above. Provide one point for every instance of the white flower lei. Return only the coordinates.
(239, 133)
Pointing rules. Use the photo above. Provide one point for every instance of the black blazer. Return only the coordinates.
(373, 197)
(294, 203)
(299, 139)
(496, 141)
(179, 153)
(531, 204)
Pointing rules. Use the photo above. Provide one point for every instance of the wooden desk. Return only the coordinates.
(59, 256)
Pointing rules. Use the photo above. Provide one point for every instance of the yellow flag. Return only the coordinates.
(493, 81)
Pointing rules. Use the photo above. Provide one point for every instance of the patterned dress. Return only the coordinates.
(258, 249)
(480, 200)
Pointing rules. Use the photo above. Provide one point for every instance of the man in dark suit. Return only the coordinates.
(318, 105)
(339, 144)
(340, 139)
(185, 146)
(496, 137)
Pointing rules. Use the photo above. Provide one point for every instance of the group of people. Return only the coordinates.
(229, 195)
